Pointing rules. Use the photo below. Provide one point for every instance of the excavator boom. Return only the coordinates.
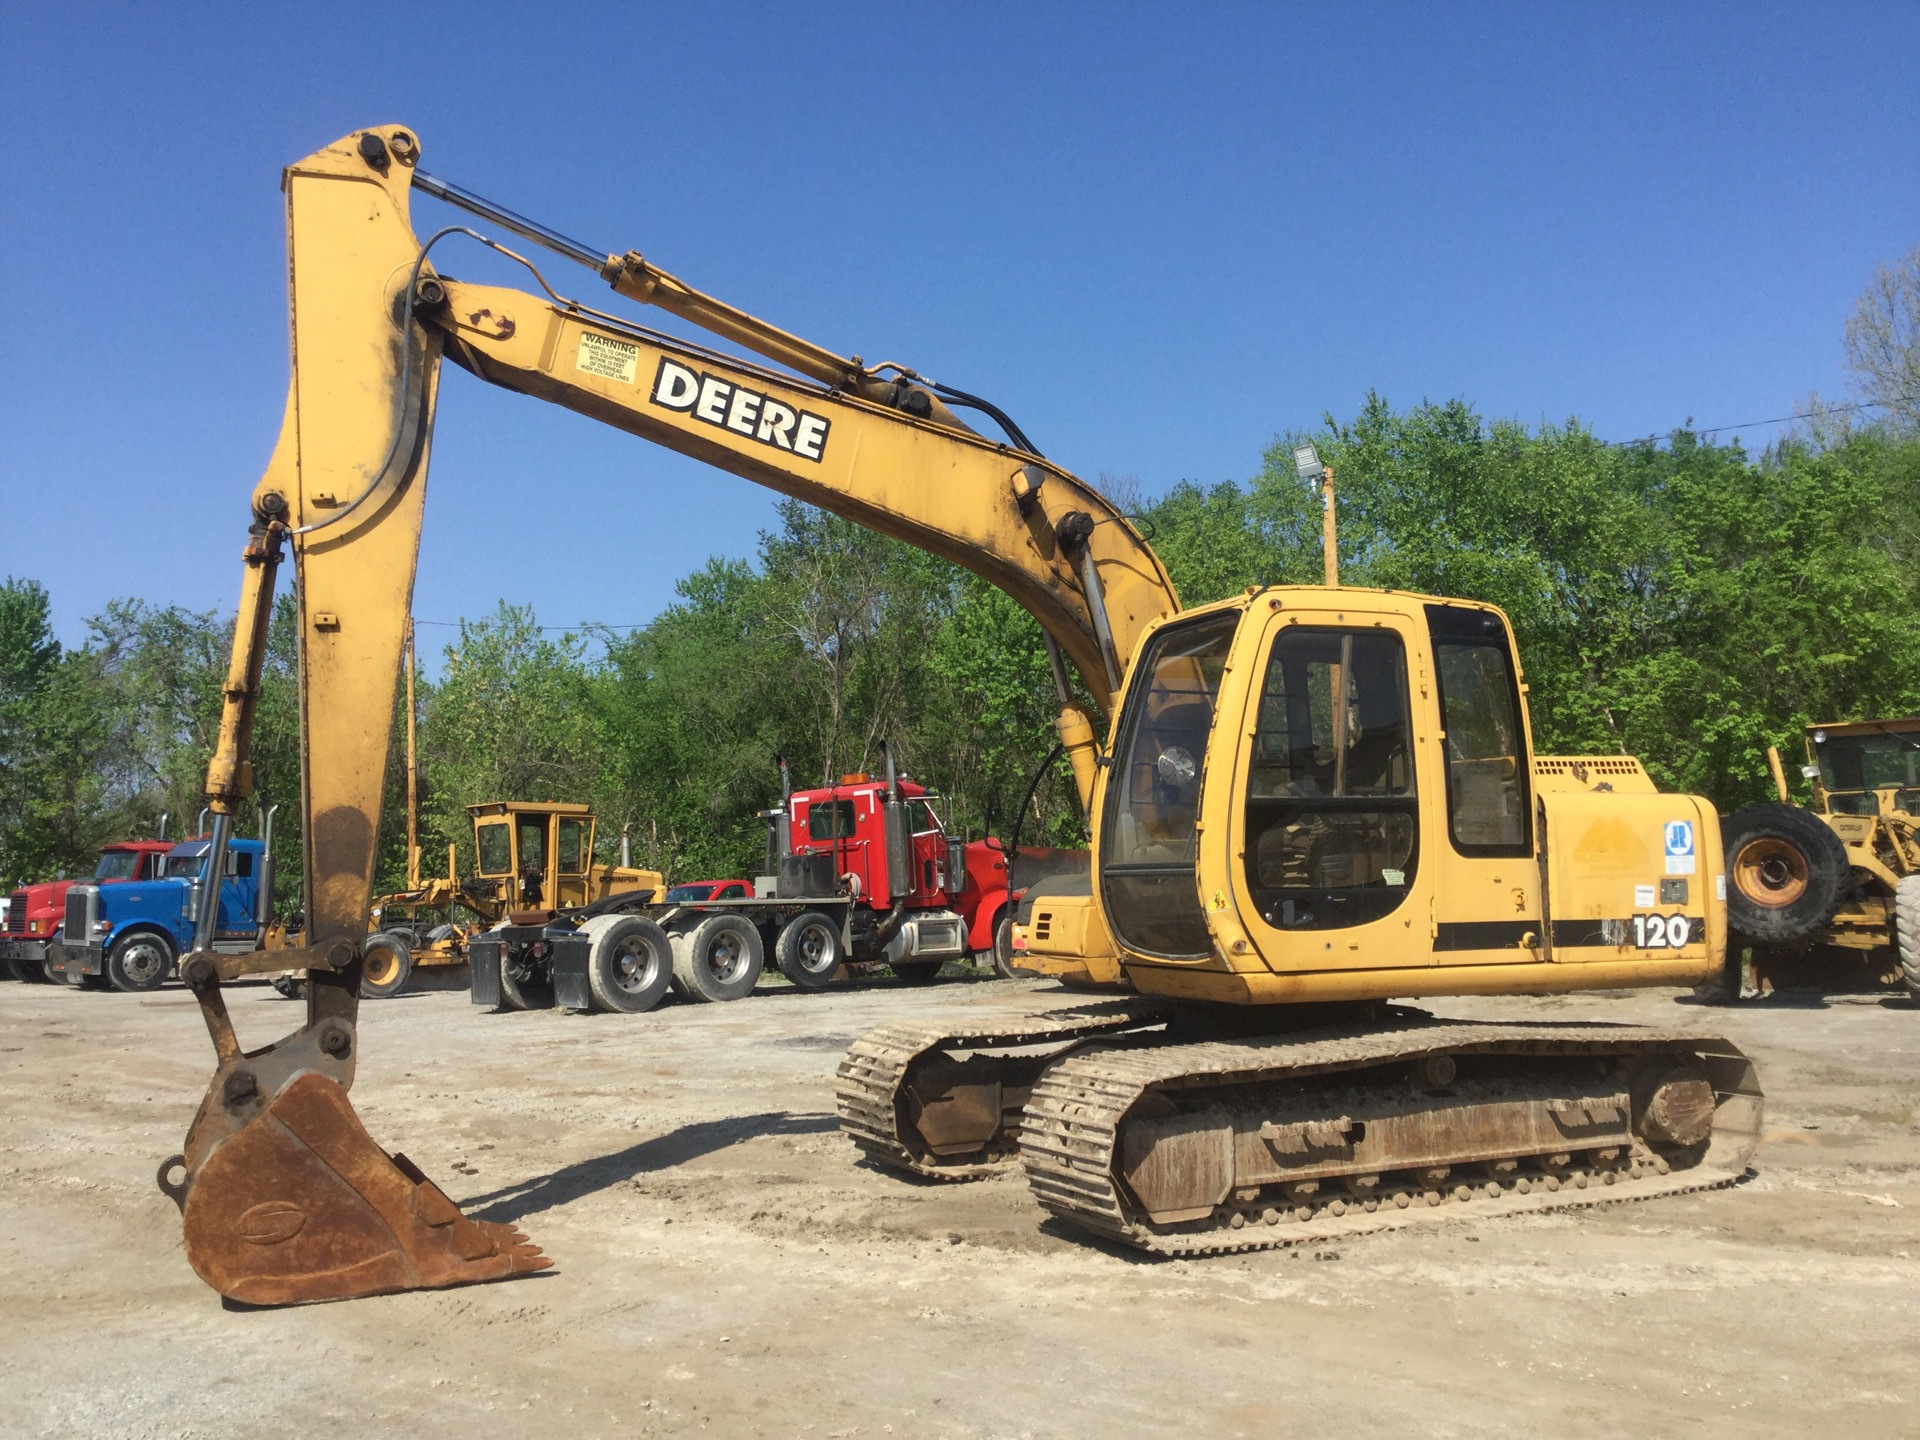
(285, 1197)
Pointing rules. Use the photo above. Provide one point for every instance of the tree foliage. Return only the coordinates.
(1684, 602)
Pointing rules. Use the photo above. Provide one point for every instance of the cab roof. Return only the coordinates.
(532, 807)
(1906, 725)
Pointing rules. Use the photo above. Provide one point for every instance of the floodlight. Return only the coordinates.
(1306, 460)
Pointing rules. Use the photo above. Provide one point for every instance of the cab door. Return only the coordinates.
(533, 861)
(1487, 910)
(1330, 867)
(572, 855)
(493, 857)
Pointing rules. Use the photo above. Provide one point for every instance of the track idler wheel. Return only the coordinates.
(295, 1202)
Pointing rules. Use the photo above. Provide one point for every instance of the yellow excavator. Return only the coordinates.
(1309, 801)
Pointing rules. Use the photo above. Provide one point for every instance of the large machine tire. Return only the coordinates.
(386, 965)
(139, 962)
(810, 951)
(27, 972)
(719, 959)
(1786, 871)
(1906, 932)
(918, 972)
(629, 965)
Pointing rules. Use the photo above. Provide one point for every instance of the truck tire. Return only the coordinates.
(386, 965)
(810, 951)
(719, 959)
(139, 962)
(918, 972)
(1786, 871)
(533, 993)
(27, 972)
(1906, 931)
(630, 964)
(1003, 945)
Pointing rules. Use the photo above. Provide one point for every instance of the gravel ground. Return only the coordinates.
(724, 1264)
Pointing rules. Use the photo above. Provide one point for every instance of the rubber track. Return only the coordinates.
(875, 1068)
(1067, 1144)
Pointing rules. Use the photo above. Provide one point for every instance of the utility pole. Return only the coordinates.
(1329, 549)
(413, 771)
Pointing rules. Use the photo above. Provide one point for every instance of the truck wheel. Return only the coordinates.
(1785, 873)
(26, 972)
(1003, 945)
(809, 950)
(532, 993)
(139, 962)
(1906, 931)
(386, 965)
(918, 972)
(719, 959)
(629, 966)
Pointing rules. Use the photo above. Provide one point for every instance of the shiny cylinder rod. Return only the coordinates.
(597, 261)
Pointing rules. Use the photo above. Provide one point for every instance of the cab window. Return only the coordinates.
(1331, 821)
(573, 845)
(735, 891)
(118, 865)
(1153, 798)
(533, 845)
(830, 820)
(496, 856)
(1487, 781)
(923, 816)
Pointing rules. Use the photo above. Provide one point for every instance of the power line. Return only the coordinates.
(582, 625)
(1751, 424)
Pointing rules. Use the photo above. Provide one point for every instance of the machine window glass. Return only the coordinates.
(682, 894)
(921, 813)
(1487, 782)
(732, 892)
(185, 867)
(496, 857)
(533, 845)
(573, 844)
(1332, 823)
(1869, 762)
(118, 865)
(1153, 795)
(240, 864)
(830, 820)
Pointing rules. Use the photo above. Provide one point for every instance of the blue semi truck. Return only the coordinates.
(131, 935)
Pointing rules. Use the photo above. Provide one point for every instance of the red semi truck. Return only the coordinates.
(34, 912)
(861, 873)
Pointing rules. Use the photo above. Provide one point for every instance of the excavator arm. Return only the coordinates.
(284, 1195)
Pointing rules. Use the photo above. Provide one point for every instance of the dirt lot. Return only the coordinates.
(724, 1264)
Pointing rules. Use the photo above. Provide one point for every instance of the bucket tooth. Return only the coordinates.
(298, 1204)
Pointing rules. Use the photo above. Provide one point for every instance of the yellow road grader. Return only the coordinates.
(1829, 895)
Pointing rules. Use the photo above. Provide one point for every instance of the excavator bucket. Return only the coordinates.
(296, 1204)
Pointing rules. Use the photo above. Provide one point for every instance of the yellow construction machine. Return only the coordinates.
(1308, 801)
(531, 857)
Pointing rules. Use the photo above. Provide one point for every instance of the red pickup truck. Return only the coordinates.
(34, 912)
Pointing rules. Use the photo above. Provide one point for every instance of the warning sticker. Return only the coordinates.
(1643, 897)
(603, 355)
(1679, 845)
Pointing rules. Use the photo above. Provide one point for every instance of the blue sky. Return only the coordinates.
(1157, 236)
